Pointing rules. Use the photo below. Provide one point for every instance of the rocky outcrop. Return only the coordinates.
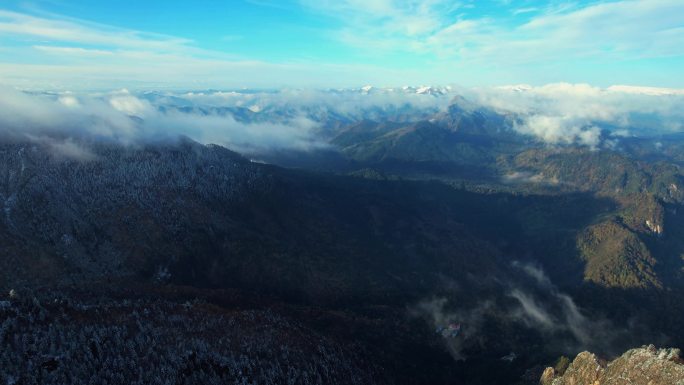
(643, 366)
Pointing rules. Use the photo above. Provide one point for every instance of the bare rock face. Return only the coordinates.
(584, 370)
(643, 366)
(547, 377)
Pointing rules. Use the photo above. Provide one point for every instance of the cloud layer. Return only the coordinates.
(247, 121)
(62, 120)
(258, 121)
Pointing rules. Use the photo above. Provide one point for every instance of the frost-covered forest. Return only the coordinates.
(104, 340)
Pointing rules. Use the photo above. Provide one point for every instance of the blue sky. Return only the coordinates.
(90, 44)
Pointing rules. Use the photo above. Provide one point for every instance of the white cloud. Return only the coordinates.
(124, 102)
(563, 113)
(560, 130)
(69, 100)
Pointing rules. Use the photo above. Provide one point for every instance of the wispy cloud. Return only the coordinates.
(73, 51)
(520, 11)
(531, 301)
(60, 29)
(59, 53)
(387, 24)
(627, 29)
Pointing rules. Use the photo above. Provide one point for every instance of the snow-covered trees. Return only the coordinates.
(114, 341)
